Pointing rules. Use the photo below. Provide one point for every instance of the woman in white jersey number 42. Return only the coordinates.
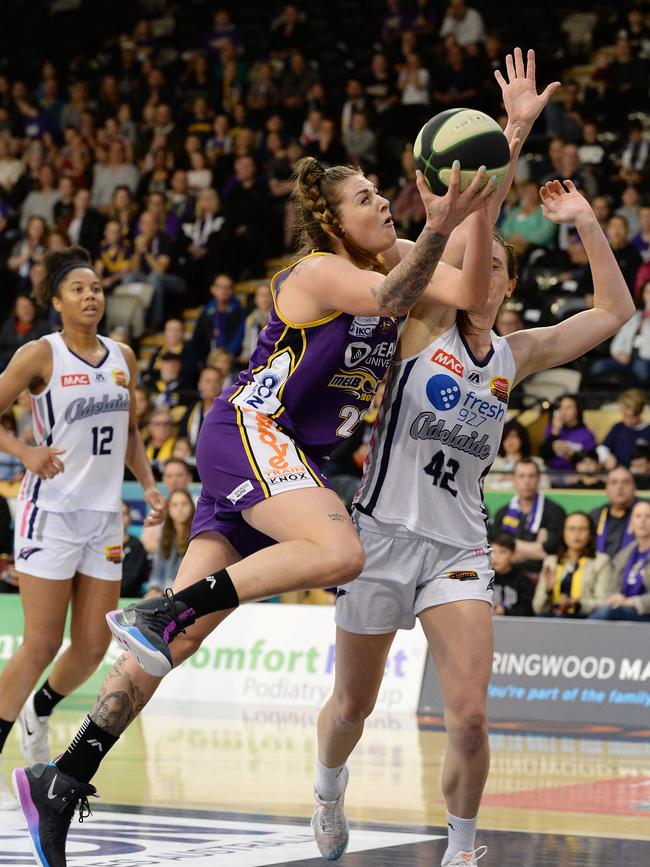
(420, 509)
(68, 537)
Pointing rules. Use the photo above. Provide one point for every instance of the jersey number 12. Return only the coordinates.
(102, 439)
(443, 474)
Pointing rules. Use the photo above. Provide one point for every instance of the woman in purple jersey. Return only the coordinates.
(322, 355)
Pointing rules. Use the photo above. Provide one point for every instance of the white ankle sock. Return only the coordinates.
(329, 782)
(462, 833)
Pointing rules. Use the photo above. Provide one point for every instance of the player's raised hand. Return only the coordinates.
(563, 203)
(520, 98)
(44, 461)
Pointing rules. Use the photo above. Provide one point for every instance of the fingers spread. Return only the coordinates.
(510, 68)
(500, 79)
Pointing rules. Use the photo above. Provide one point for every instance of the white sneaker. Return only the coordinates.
(331, 829)
(466, 859)
(34, 734)
(7, 800)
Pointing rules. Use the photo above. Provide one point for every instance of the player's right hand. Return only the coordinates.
(44, 461)
(446, 212)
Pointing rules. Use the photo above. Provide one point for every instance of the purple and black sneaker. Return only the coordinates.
(48, 799)
(146, 628)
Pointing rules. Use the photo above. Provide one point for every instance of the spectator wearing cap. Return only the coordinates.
(222, 321)
(631, 574)
(625, 434)
(513, 591)
(612, 520)
(168, 389)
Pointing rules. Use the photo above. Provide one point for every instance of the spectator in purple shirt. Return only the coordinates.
(566, 435)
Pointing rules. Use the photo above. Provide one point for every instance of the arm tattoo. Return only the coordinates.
(402, 288)
(337, 517)
(119, 700)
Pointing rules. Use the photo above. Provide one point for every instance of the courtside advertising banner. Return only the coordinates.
(263, 654)
(563, 671)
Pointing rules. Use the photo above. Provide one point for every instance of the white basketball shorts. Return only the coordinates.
(405, 574)
(57, 545)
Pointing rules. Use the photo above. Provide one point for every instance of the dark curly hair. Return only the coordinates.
(318, 195)
(54, 262)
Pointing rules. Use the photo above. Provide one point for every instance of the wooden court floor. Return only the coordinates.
(185, 786)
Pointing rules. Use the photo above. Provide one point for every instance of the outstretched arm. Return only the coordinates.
(523, 105)
(541, 348)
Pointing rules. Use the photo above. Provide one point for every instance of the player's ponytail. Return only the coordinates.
(58, 263)
(317, 195)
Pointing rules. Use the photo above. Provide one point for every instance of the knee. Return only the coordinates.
(42, 650)
(342, 564)
(348, 711)
(467, 728)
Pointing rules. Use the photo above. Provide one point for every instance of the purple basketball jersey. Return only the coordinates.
(316, 380)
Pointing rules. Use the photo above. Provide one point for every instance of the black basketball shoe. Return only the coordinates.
(146, 628)
(48, 799)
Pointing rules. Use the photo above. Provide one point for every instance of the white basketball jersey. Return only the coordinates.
(85, 411)
(437, 433)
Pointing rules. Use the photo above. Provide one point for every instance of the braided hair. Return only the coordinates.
(318, 195)
(56, 261)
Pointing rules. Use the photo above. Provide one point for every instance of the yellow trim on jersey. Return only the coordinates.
(308, 468)
(235, 393)
(249, 453)
(300, 325)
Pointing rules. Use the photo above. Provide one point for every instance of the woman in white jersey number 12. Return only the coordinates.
(421, 517)
(68, 536)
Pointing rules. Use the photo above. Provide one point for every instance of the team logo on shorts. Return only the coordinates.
(463, 575)
(113, 553)
(120, 378)
(26, 553)
(500, 388)
(443, 391)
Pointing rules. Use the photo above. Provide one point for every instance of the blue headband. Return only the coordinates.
(63, 273)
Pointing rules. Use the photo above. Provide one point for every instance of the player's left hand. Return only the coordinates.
(158, 505)
(520, 98)
(563, 203)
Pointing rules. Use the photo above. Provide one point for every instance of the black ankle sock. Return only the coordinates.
(5, 727)
(86, 752)
(46, 699)
(216, 593)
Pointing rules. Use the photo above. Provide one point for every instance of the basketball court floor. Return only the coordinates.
(185, 786)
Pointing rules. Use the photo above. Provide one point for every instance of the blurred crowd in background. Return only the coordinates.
(163, 139)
